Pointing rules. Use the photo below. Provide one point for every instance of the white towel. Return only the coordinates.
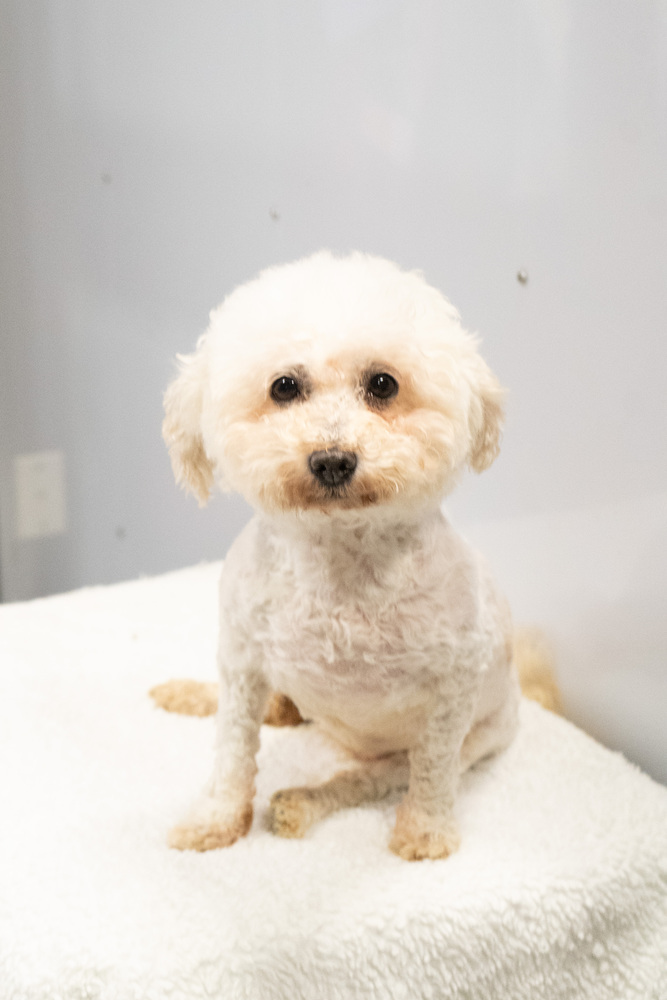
(559, 889)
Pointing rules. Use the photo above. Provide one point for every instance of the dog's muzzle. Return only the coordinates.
(332, 468)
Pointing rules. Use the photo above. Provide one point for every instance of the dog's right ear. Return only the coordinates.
(181, 428)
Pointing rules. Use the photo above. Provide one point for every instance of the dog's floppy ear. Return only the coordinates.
(181, 428)
(486, 415)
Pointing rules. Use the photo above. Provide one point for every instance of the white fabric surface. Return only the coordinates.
(559, 889)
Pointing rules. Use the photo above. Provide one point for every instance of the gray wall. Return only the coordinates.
(156, 154)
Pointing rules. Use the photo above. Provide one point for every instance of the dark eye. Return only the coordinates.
(382, 386)
(285, 389)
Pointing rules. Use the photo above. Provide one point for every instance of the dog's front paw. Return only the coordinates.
(292, 812)
(211, 827)
(417, 835)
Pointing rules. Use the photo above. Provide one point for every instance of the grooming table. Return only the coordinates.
(558, 891)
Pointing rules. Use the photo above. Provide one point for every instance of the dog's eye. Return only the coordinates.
(285, 389)
(382, 386)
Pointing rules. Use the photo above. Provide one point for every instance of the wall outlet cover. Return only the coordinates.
(39, 479)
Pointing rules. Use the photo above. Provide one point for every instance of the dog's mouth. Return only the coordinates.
(329, 480)
(305, 493)
(334, 493)
(343, 497)
(355, 495)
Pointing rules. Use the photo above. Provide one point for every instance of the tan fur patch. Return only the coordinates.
(281, 711)
(186, 697)
(197, 837)
(292, 812)
(535, 667)
(301, 491)
(417, 836)
(403, 403)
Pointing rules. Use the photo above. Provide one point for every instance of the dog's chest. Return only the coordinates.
(353, 633)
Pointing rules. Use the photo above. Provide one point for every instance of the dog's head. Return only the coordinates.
(333, 384)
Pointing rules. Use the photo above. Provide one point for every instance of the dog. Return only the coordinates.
(342, 397)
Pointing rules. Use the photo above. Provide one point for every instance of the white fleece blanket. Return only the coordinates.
(558, 891)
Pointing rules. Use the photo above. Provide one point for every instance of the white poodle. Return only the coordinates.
(343, 399)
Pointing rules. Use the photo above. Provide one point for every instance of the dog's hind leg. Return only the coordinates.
(294, 810)
(281, 711)
(188, 697)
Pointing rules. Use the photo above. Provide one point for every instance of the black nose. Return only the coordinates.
(332, 468)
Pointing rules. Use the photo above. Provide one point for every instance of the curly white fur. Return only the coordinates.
(358, 600)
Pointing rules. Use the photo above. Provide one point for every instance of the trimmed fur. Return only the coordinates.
(361, 604)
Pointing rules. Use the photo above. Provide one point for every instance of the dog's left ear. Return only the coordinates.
(486, 415)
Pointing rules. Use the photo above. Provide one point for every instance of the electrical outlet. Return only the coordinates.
(39, 478)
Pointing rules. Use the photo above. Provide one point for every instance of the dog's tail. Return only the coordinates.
(534, 663)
